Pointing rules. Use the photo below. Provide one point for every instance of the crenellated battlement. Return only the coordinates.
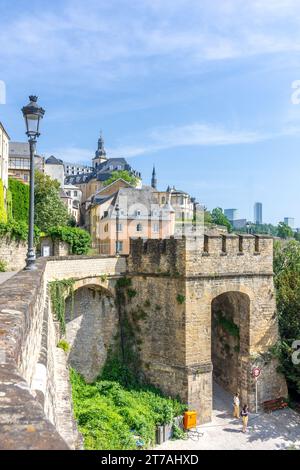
(209, 254)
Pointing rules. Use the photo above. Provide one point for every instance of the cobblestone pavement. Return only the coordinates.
(7, 275)
(279, 430)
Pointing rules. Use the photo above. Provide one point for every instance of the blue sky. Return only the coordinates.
(202, 89)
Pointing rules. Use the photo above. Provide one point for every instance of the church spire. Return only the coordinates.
(100, 154)
(154, 179)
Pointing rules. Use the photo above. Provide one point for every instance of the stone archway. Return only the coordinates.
(91, 326)
(230, 338)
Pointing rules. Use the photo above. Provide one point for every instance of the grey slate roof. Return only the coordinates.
(102, 172)
(20, 149)
(54, 161)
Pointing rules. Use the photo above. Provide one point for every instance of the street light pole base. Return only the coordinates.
(30, 262)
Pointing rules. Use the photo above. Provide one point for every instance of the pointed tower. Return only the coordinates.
(154, 179)
(100, 154)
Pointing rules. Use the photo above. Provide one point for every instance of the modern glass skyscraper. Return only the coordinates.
(258, 213)
(231, 214)
(290, 221)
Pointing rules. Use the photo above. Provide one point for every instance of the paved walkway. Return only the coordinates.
(7, 275)
(279, 430)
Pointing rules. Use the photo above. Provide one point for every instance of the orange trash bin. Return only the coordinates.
(190, 419)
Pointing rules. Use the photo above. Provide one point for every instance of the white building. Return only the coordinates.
(72, 199)
(55, 169)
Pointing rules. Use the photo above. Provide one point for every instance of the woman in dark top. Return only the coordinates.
(245, 416)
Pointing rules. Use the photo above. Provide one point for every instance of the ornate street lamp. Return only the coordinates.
(117, 229)
(32, 114)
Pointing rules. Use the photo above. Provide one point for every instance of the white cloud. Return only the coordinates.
(108, 42)
(72, 154)
(195, 134)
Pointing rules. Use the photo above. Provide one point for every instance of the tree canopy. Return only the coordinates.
(284, 231)
(219, 218)
(125, 175)
(49, 208)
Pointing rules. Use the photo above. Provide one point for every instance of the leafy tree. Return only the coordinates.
(284, 231)
(218, 218)
(207, 216)
(287, 283)
(49, 208)
(125, 175)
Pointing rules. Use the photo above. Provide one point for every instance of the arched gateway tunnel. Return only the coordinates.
(199, 309)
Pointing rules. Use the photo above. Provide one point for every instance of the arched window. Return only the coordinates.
(139, 228)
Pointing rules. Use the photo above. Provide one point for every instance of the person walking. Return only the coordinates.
(236, 406)
(245, 417)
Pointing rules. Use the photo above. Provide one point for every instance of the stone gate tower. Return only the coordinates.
(210, 312)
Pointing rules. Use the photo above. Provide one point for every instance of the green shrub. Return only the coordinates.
(78, 239)
(131, 293)
(180, 298)
(228, 325)
(3, 266)
(64, 345)
(17, 230)
(123, 282)
(110, 416)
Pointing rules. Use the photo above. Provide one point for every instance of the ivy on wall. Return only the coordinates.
(59, 290)
(228, 325)
(19, 199)
(3, 213)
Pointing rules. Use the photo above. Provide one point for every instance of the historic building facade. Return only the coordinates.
(139, 215)
(19, 162)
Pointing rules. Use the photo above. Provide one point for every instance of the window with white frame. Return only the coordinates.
(139, 228)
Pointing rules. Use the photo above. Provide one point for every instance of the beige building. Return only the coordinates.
(140, 216)
(4, 146)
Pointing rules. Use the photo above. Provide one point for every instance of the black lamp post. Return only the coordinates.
(117, 229)
(32, 114)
